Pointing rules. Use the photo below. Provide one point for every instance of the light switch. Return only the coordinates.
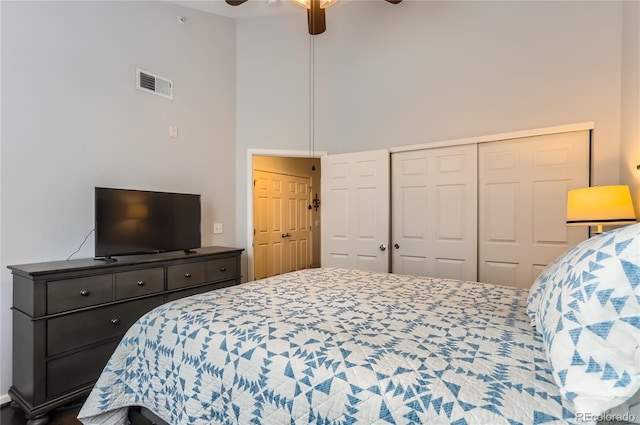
(173, 131)
(217, 227)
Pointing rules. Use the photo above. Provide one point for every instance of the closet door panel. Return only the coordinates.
(414, 266)
(523, 185)
(500, 273)
(410, 220)
(451, 268)
(451, 209)
(434, 213)
(502, 200)
(546, 228)
(355, 210)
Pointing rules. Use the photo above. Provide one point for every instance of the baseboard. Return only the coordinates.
(4, 399)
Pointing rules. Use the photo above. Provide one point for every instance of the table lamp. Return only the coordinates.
(600, 205)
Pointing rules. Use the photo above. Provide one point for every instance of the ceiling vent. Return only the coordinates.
(152, 83)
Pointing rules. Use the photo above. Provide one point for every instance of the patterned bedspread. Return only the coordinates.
(335, 346)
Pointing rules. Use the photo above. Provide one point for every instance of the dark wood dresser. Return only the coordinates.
(68, 316)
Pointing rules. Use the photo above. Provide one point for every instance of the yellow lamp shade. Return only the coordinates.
(599, 205)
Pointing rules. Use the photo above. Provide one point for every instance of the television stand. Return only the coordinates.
(189, 251)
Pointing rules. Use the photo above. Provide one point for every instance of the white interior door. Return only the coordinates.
(523, 186)
(355, 210)
(282, 232)
(434, 212)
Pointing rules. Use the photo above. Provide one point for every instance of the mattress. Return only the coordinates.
(335, 346)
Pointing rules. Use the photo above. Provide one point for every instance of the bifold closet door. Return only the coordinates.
(523, 186)
(355, 210)
(434, 212)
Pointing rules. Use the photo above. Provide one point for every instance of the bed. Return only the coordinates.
(338, 346)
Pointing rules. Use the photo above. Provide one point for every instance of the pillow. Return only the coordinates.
(628, 411)
(539, 287)
(587, 308)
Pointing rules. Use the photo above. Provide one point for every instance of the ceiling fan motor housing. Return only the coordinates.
(315, 11)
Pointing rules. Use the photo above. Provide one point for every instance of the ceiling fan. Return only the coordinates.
(315, 12)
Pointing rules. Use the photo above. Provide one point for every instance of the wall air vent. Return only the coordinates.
(152, 83)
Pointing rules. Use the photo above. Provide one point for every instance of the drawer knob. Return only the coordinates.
(187, 275)
(222, 269)
(84, 293)
(141, 283)
(115, 321)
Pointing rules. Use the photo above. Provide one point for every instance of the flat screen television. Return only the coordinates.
(138, 222)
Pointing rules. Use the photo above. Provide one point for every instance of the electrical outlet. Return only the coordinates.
(217, 227)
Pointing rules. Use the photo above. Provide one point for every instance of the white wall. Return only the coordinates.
(630, 124)
(72, 119)
(422, 71)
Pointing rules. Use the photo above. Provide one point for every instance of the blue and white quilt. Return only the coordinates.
(335, 346)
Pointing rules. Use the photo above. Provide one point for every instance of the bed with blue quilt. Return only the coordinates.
(338, 346)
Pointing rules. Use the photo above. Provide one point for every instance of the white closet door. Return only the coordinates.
(355, 210)
(523, 186)
(434, 212)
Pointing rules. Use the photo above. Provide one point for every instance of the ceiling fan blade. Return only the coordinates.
(235, 2)
(316, 19)
(393, 1)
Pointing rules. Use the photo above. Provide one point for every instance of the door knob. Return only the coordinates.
(383, 247)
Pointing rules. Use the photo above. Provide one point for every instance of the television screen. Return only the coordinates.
(137, 221)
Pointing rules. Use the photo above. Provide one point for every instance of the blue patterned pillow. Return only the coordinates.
(588, 312)
(539, 287)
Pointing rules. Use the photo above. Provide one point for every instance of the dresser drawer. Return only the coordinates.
(69, 294)
(139, 282)
(222, 268)
(80, 329)
(200, 289)
(182, 275)
(77, 370)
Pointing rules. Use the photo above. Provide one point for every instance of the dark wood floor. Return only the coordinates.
(63, 416)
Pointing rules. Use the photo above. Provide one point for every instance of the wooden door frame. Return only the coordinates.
(264, 152)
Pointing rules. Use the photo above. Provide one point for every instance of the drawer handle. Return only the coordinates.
(115, 321)
(84, 293)
(222, 269)
(187, 275)
(141, 283)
